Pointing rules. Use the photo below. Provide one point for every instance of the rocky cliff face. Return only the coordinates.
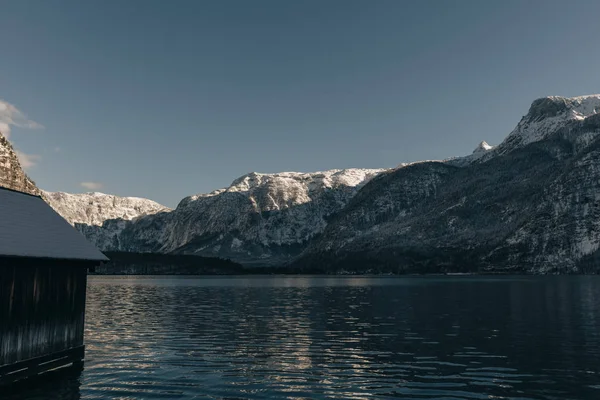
(12, 175)
(531, 204)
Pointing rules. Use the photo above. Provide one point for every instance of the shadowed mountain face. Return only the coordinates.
(533, 205)
(12, 175)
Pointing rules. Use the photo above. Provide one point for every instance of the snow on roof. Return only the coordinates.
(31, 228)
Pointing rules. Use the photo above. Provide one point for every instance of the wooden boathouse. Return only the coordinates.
(43, 277)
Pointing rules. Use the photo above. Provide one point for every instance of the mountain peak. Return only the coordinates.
(548, 114)
(12, 175)
(567, 107)
(482, 147)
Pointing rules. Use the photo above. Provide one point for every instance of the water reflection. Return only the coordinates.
(329, 337)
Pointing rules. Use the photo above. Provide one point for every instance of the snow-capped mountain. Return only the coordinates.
(12, 175)
(530, 204)
(269, 216)
(482, 148)
(547, 115)
(96, 208)
(101, 217)
(259, 219)
(480, 151)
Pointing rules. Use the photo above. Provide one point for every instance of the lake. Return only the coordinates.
(298, 337)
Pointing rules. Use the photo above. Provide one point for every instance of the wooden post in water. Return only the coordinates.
(43, 277)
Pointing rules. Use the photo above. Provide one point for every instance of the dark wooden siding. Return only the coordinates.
(42, 310)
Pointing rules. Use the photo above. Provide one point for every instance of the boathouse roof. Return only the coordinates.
(29, 227)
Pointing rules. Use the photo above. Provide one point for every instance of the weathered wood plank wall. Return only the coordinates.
(42, 310)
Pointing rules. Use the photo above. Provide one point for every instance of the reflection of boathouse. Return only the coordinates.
(43, 276)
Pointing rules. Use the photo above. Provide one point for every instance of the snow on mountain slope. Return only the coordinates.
(95, 208)
(12, 175)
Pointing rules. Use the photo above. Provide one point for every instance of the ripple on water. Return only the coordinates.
(349, 338)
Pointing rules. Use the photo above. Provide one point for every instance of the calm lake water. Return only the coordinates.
(329, 337)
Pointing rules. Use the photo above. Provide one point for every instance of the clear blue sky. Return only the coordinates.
(164, 99)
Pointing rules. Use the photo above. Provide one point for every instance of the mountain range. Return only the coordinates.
(260, 219)
(530, 204)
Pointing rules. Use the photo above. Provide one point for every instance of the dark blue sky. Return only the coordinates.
(165, 99)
